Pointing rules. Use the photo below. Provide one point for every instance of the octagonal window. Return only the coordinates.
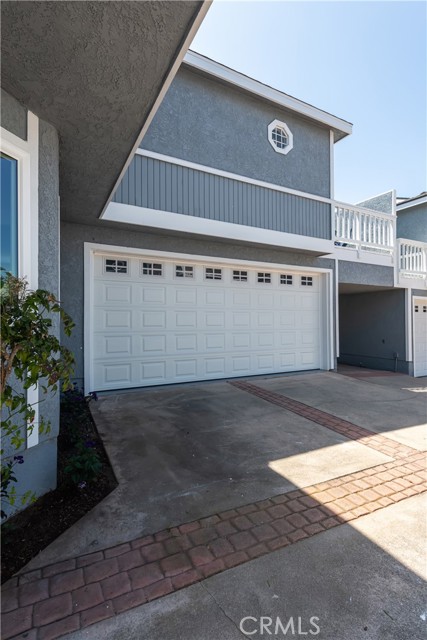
(280, 137)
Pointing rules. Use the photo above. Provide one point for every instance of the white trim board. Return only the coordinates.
(26, 152)
(413, 203)
(168, 80)
(93, 249)
(232, 176)
(217, 70)
(141, 216)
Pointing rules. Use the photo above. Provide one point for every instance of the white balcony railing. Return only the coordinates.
(364, 229)
(412, 256)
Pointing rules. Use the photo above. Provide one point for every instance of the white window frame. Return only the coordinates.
(281, 125)
(26, 152)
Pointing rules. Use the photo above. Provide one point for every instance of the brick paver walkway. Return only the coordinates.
(70, 595)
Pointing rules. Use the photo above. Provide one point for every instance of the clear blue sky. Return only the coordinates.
(362, 61)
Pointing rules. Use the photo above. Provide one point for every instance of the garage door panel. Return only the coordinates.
(150, 295)
(213, 341)
(152, 320)
(157, 329)
(184, 342)
(240, 299)
(110, 319)
(184, 296)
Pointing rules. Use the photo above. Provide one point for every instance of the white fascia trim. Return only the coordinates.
(337, 310)
(364, 257)
(226, 74)
(141, 216)
(172, 73)
(227, 174)
(412, 203)
(88, 297)
(408, 322)
(26, 152)
(331, 166)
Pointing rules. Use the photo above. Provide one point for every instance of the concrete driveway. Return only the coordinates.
(285, 497)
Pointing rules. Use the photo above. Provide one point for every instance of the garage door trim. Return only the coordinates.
(91, 250)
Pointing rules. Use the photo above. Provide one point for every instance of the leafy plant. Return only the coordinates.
(84, 465)
(30, 354)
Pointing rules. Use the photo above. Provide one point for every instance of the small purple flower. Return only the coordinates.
(19, 459)
(82, 485)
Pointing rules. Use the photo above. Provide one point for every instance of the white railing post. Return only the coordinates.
(412, 259)
(360, 228)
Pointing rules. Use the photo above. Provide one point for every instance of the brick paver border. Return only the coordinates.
(47, 603)
(352, 431)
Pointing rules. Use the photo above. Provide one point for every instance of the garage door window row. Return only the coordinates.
(156, 269)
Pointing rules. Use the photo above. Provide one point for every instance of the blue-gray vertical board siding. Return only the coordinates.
(205, 121)
(13, 115)
(220, 198)
(73, 237)
(372, 329)
(412, 223)
(382, 203)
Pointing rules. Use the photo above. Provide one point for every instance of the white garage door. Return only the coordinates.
(420, 337)
(157, 321)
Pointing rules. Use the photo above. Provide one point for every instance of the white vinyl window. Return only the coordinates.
(240, 276)
(151, 269)
(307, 281)
(213, 274)
(264, 277)
(280, 137)
(184, 271)
(115, 266)
(286, 279)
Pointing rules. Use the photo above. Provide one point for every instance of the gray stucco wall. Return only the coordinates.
(382, 203)
(360, 273)
(169, 187)
(216, 125)
(38, 473)
(412, 223)
(372, 330)
(73, 237)
(13, 115)
(49, 244)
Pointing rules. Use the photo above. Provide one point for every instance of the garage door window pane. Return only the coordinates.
(184, 271)
(9, 214)
(151, 269)
(213, 274)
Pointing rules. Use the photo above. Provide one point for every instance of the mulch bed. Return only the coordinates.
(30, 531)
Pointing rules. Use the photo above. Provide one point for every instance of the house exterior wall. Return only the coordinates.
(38, 473)
(412, 223)
(73, 237)
(362, 273)
(13, 115)
(382, 203)
(166, 186)
(204, 121)
(372, 330)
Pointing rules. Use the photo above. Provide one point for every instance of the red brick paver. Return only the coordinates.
(70, 595)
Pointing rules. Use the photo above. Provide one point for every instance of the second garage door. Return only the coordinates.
(157, 321)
